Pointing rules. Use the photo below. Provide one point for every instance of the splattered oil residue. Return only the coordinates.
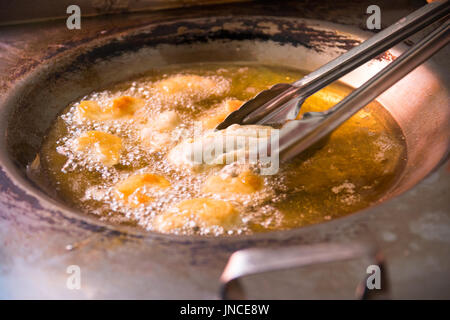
(107, 155)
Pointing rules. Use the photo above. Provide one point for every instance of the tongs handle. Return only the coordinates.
(298, 140)
(347, 62)
(372, 47)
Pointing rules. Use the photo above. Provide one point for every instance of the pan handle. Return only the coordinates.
(260, 260)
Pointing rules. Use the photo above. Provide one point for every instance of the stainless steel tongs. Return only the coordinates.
(280, 105)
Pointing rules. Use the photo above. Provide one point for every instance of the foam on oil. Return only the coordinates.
(356, 167)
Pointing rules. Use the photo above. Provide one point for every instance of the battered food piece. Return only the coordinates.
(123, 107)
(245, 182)
(100, 146)
(233, 144)
(135, 189)
(166, 121)
(198, 212)
(179, 83)
(181, 88)
(91, 110)
(211, 121)
(156, 133)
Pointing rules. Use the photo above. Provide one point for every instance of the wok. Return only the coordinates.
(119, 261)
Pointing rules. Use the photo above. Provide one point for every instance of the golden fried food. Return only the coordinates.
(103, 146)
(156, 133)
(125, 106)
(241, 141)
(183, 83)
(203, 212)
(135, 189)
(122, 107)
(245, 182)
(166, 121)
(212, 121)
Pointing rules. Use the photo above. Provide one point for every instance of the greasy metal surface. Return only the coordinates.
(24, 11)
(244, 263)
(39, 239)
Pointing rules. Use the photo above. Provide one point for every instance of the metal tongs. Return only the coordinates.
(280, 105)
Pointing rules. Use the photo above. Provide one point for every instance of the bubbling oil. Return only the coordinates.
(360, 162)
